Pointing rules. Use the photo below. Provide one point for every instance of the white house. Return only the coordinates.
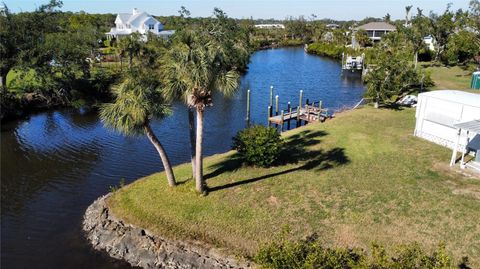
(270, 26)
(438, 112)
(430, 42)
(137, 21)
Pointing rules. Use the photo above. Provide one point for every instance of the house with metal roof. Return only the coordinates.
(139, 22)
(376, 30)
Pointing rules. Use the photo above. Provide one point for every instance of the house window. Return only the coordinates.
(380, 34)
(128, 26)
(151, 26)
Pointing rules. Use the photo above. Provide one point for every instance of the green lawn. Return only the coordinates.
(452, 78)
(358, 178)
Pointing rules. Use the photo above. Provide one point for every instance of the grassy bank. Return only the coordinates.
(329, 50)
(359, 178)
(455, 77)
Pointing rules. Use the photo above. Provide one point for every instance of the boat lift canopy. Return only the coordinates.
(471, 145)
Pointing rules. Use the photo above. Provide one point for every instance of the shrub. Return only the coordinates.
(258, 145)
(461, 48)
(329, 50)
(393, 76)
(309, 253)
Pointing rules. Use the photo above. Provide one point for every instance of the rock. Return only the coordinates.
(140, 248)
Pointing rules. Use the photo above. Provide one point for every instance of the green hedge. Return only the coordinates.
(309, 253)
(258, 145)
(329, 49)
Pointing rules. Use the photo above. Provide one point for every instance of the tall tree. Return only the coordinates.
(392, 76)
(20, 43)
(407, 15)
(129, 46)
(194, 69)
(138, 100)
(419, 29)
(177, 86)
(442, 27)
(231, 43)
(387, 18)
(475, 14)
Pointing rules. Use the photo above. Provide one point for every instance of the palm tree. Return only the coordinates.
(130, 46)
(138, 101)
(176, 86)
(194, 68)
(407, 13)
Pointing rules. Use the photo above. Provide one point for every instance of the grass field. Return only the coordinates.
(452, 78)
(358, 178)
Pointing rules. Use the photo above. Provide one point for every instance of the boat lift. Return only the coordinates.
(353, 63)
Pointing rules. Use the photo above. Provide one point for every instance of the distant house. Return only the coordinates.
(137, 22)
(430, 42)
(270, 26)
(376, 30)
(333, 26)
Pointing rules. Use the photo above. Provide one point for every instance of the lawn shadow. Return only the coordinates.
(296, 151)
(184, 181)
(392, 106)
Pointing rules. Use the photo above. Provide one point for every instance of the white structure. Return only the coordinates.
(270, 26)
(473, 145)
(430, 42)
(333, 26)
(139, 22)
(438, 112)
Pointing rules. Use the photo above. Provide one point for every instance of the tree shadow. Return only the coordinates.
(294, 146)
(392, 106)
(324, 160)
(296, 151)
(184, 181)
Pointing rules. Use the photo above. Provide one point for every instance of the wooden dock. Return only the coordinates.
(308, 114)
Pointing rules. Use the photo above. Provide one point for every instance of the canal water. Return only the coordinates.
(54, 164)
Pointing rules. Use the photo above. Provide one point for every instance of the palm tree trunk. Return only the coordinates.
(163, 155)
(199, 184)
(191, 125)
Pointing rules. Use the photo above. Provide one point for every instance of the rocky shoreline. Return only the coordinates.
(141, 248)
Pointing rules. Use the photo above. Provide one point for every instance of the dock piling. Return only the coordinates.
(299, 121)
(300, 98)
(271, 95)
(269, 115)
(289, 108)
(276, 105)
(282, 119)
(248, 108)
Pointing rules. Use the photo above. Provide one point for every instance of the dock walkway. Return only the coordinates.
(309, 113)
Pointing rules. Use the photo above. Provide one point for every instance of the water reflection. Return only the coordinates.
(55, 164)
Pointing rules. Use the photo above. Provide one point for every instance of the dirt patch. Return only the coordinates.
(456, 171)
(273, 201)
(468, 192)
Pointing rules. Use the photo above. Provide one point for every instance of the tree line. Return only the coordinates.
(48, 55)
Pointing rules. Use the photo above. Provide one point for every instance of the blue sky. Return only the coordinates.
(279, 9)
